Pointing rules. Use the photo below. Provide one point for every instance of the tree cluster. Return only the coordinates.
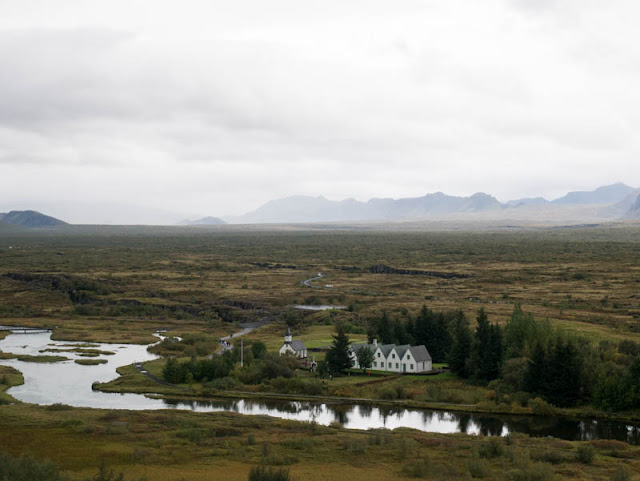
(428, 327)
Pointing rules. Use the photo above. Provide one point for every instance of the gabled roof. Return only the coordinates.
(420, 353)
(356, 347)
(401, 350)
(386, 349)
(298, 346)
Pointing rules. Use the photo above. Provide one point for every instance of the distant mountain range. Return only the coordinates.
(609, 202)
(204, 221)
(29, 218)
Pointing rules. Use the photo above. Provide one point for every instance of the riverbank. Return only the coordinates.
(9, 377)
(132, 380)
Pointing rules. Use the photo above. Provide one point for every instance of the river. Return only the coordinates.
(70, 383)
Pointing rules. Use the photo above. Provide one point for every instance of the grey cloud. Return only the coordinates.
(343, 99)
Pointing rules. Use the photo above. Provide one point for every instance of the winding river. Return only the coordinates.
(70, 383)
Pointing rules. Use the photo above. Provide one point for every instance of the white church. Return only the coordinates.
(389, 357)
(295, 348)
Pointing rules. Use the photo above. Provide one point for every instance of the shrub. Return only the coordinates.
(491, 448)
(478, 468)
(416, 469)
(621, 474)
(536, 472)
(541, 407)
(27, 468)
(263, 473)
(388, 393)
(585, 454)
(550, 456)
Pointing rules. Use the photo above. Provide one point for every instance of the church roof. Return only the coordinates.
(298, 346)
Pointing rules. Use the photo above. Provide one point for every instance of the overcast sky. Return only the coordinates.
(148, 111)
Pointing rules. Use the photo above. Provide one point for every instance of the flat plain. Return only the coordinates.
(122, 284)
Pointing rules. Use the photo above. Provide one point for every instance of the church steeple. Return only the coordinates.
(287, 336)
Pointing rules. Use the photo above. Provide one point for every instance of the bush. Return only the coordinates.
(550, 456)
(26, 468)
(416, 469)
(388, 393)
(621, 474)
(541, 407)
(263, 473)
(491, 448)
(585, 454)
(537, 472)
(478, 468)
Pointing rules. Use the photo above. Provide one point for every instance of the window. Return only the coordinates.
(378, 354)
(389, 364)
(411, 366)
(393, 356)
(397, 365)
(375, 364)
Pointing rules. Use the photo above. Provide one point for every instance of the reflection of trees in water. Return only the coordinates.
(490, 426)
(388, 411)
(365, 410)
(427, 416)
(340, 412)
(463, 422)
(563, 428)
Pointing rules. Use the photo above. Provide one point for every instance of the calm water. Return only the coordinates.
(70, 383)
(308, 307)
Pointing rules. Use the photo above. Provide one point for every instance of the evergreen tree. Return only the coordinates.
(338, 358)
(171, 371)
(400, 333)
(495, 353)
(409, 328)
(564, 374)
(478, 359)
(461, 345)
(486, 351)
(440, 344)
(535, 380)
(385, 332)
(423, 327)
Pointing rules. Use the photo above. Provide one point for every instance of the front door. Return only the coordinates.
(404, 367)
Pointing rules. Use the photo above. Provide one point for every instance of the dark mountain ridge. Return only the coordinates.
(30, 218)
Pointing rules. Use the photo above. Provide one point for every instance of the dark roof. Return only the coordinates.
(298, 346)
(402, 349)
(386, 349)
(357, 347)
(420, 353)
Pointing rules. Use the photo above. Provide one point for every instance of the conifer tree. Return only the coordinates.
(385, 332)
(535, 380)
(461, 345)
(338, 359)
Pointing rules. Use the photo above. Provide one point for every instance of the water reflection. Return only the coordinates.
(70, 383)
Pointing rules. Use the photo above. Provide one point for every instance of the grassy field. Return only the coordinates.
(170, 446)
(122, 284)
(187, 280)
